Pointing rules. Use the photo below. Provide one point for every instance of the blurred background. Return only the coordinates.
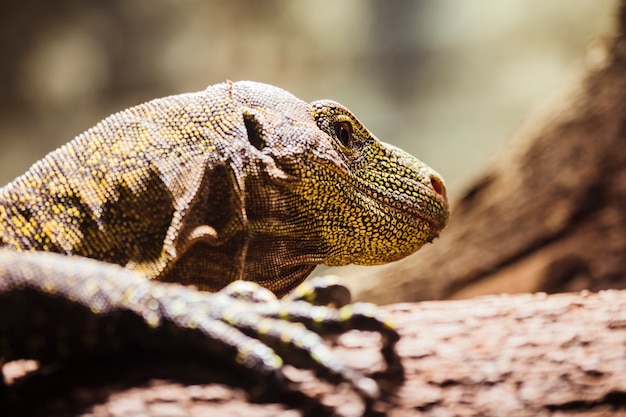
(447, 80)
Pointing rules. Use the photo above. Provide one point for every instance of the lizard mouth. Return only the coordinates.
(419, 203)
(417, 217)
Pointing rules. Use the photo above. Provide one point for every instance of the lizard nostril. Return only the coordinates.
(437, 185)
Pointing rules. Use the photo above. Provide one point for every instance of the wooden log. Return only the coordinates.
(507, 355)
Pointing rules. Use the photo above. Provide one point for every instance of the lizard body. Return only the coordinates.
(239, 181)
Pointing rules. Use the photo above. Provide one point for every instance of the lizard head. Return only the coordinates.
(321, 188)
(376, 203)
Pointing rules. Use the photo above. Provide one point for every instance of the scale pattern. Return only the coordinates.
(241, 181)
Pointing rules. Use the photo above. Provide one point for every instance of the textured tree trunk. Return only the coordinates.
(548, 215)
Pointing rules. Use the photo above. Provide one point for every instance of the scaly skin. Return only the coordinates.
(174, 188)
(240, 181)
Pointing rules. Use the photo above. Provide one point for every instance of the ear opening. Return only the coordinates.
(254, 129)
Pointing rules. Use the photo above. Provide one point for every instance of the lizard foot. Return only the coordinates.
(266, 332)
(116, 309)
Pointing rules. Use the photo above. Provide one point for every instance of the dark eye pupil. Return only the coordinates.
(344, 133)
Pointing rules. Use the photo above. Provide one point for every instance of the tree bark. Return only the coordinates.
(519, 355)
(548, 215)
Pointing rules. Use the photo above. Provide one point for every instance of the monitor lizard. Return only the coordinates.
(230, 190)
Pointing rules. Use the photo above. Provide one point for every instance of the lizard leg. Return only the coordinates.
(116, 309)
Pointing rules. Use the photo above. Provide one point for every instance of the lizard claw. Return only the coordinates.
(264, 333)
(325, 290)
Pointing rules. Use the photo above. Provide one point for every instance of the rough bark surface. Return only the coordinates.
(548, 215)
(518, 355)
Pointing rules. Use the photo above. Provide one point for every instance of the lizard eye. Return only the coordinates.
(343, 130)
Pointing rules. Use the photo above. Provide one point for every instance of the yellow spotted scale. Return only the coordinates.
(241, 183)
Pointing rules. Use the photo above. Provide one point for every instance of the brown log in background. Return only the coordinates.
(548, 215)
